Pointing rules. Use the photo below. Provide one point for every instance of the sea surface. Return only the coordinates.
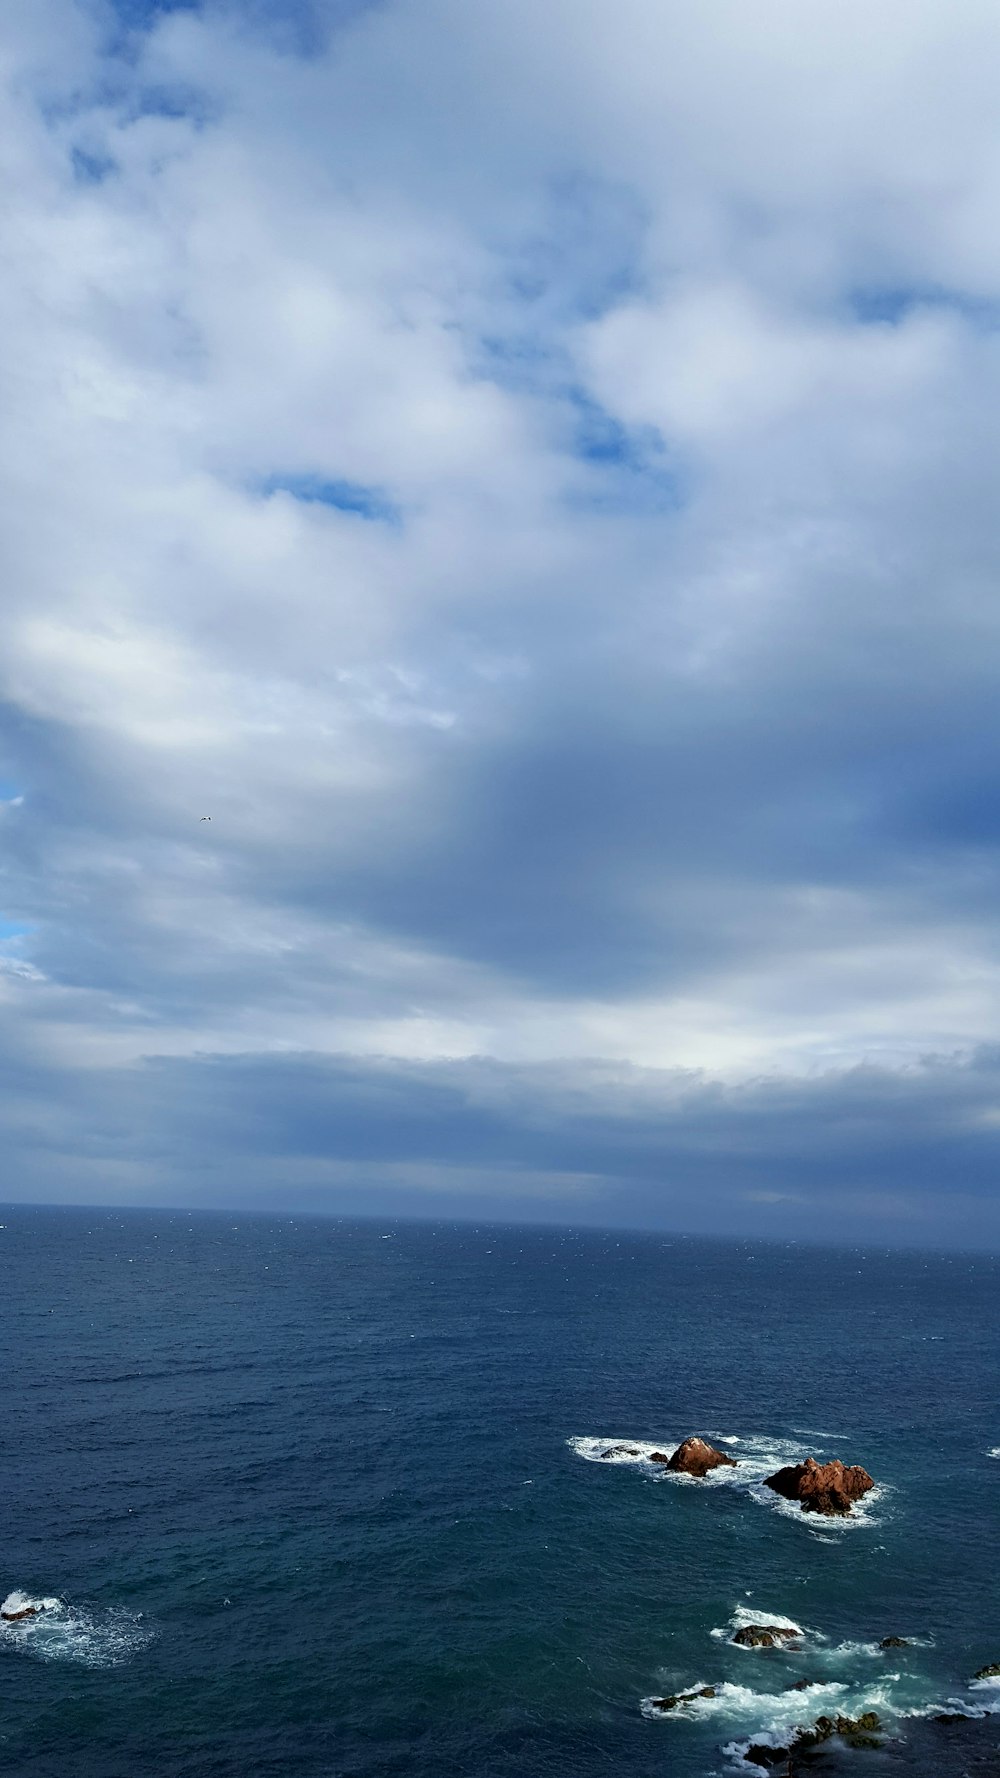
(314, 1497)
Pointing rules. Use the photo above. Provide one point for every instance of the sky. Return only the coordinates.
(528, 475)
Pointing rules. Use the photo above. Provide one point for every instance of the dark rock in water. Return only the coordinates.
(759, 1754)
(894, 1642)
(696, 1457)
(990, 1672)
(764, 1635)
(11, 1617)
(821, 1487)
(658, 1457)
(671, 1703)
(622, 1451)
(803, 1685)
(950, 1716)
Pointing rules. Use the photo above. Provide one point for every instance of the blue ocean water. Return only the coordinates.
(319, 1497)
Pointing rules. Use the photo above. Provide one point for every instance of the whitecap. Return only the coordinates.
(777, 1712)
(61, 1631)
(994, 1451)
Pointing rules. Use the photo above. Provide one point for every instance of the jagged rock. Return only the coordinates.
(658, 1457)
(821, 1487)
(11, 1616)
(622, 1451)
(696, 1457)
(764, 1635)
(857, 1731)
(802, 1685)
(990, 1672)
(894, 1642)
(671, 1703)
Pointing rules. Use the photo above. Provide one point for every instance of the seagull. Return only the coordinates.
(206, 817)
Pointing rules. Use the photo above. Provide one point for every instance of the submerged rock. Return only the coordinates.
(10, 1614)
(622, 1451)
(765, 1635)
(894, 1642)
(760, 1754)
(678, 1698)
(696, 1457)
(990, 1672)
(821, 1487)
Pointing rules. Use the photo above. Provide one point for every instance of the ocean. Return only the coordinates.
(322, 1497)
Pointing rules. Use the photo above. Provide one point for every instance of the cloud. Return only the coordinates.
(528, 477)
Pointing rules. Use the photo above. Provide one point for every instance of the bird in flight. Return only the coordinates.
(206, 817)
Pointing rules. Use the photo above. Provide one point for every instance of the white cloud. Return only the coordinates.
(668, 747)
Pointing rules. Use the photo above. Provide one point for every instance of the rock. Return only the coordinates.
(764, 1635)
(894, 1642)
(759, 1754)
(622, 1451)
(671, 1703)
(990, 1672)
(867, 1722)
(821, 1487)
(11, 1616)
(696, 1457)
(658, 1457)
(857, 1731)
(950, 1716)
(803, 1685)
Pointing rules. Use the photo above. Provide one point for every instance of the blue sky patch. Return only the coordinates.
(344, 496)
(891, 305)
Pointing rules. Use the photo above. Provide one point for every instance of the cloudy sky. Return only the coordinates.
(528, 474)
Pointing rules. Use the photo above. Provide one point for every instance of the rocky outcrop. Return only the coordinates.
(821, 1487)
(696, 1457)
(857, 1731)
(11, 1614)
(678, 1698)
(765, 1636)
(622, 1451)
(894, 1642)
(990, 1672)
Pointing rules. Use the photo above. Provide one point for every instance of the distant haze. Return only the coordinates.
(528, 475)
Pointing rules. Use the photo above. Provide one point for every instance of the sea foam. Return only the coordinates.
(61, 1631)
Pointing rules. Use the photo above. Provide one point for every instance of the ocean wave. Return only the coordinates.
(994, 1451)
(773, 1719)
(765, 1713)
(60, 1631)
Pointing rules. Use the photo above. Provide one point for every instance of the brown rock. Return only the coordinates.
(11, 1617)
(821, 1487)
(764, 1635)
(695, 1457)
